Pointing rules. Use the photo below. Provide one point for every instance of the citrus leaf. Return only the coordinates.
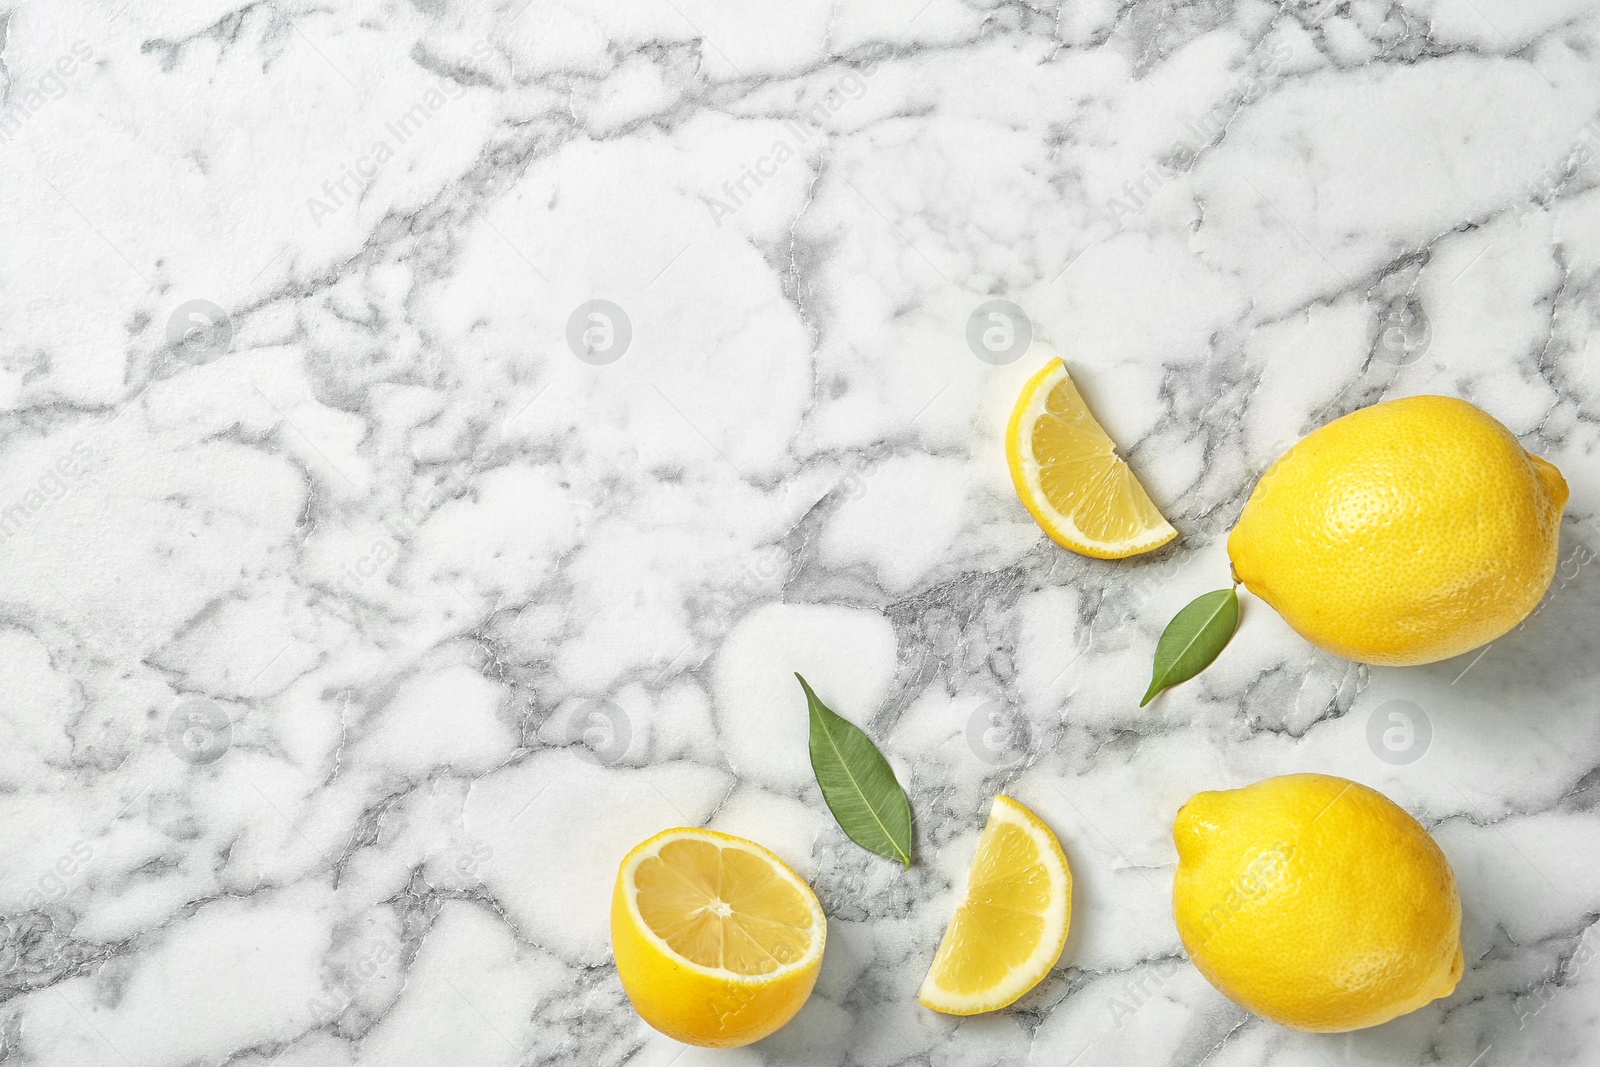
(1194, 637)
(858, 784)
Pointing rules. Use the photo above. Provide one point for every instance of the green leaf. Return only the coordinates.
(1195, 636)
(858, 784)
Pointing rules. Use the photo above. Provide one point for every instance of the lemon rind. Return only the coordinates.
(649, 848)
(1025, 477)
(1058, 922)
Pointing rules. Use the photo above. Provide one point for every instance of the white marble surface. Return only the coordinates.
(315, 596)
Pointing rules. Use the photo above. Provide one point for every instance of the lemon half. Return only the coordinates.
(717, 941)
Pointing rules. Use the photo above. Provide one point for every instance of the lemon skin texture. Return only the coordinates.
(1403, 533)
(1315, 902)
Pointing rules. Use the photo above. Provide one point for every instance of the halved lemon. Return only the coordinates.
(1012, 922)
(717, 941)
(1069, 475)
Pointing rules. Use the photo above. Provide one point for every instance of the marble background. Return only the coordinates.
(366, 590)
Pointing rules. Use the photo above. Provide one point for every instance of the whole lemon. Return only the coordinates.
(1315, 902)
(1407, 532)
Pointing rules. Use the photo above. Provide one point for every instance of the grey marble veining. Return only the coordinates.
(432, 434)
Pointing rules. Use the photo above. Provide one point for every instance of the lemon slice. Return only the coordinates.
(1069, 475)
(1010, 926)
(717, 941)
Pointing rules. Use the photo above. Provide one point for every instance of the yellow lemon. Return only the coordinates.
(1407, 532)
(1010, 924)
(1067, 472)
(717, 941)
(1315, 902)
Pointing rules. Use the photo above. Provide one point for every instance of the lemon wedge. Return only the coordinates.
(1070, 478)
(717, 942)
(1011, 924)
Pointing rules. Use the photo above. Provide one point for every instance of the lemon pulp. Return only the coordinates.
(1068, 474)
(1009, 928)
(722, 907)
